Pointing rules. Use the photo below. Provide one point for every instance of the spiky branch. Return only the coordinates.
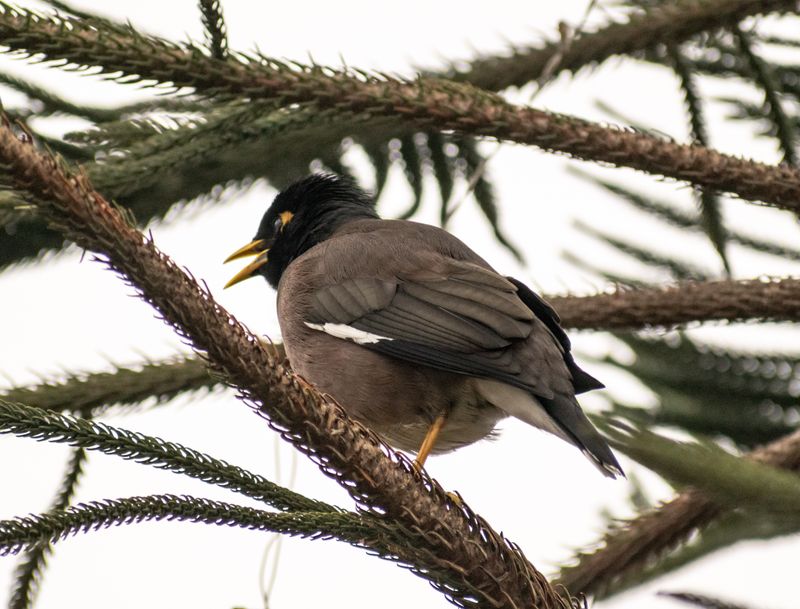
(630, 546)
(765, 299)
(28, 532)
(483, 566)
(427, 103)
(29, 571)
(662, 23)
(90, 394)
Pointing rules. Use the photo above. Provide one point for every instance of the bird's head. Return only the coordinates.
(302, 215)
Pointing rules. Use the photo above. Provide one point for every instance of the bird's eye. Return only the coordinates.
(277, 225)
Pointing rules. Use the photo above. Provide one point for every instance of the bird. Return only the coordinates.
(409, 330)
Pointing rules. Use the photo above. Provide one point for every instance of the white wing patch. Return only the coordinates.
(345, 332)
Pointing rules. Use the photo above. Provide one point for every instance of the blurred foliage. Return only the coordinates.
(154, 157)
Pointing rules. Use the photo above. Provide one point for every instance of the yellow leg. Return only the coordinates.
(429, 441)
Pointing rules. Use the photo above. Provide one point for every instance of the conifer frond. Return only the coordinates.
(732, 480)
(30, 422)
(28, 531)
(214, 23)
(476, 173)
(701, 600)
(706, 368)
(723, 61)
(750, 398)
(412, 168)
(762, 75)
(646, 28)
(89, 394)
(673, 215)
(153, 164)
(28, 573)
(619, 281)
(728, 530)
(630, 547)
(678, 269)
(50, 103)
(708, 202)
(444, 105)
(388, 540)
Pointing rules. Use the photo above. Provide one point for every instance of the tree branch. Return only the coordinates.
(483, 566)
(668, 22)
(214, 23)
(27, 532)
(29, 422)
(90, 394)
(724, 300)
(29, 570)
(624, 308)
(634, 544)
(429, 103)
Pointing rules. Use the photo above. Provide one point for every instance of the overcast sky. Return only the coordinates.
(72, 314)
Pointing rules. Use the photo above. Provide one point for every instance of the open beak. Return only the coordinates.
(254, 248)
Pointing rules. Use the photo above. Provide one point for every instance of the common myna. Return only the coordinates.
(412, 332)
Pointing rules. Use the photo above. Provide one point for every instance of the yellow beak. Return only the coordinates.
(251, 249)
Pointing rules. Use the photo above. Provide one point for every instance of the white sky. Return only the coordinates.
(68, 314)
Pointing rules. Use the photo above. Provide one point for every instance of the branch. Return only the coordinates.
(29, 422)
(27, 532)
(634, 544)
(360, 531)
(483, 565)
(708, 202)
(669, 22)
(732, 481)
(764, 77)
(214, 23)
(724, 300)
(90, 394)
(430, 103)
(742, 300)
(731, 528)
(29, 571)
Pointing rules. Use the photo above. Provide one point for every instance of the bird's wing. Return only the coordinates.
(582, 381)
(467, 320)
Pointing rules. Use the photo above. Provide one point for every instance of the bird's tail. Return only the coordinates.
(577, 427)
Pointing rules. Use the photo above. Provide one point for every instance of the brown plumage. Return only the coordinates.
(403, 323)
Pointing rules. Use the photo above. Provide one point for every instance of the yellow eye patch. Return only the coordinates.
(286, 217)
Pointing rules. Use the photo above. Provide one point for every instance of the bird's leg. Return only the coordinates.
(429, 441)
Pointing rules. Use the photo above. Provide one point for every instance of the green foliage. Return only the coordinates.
(732, 480)
(750, 398)
(229, 119)
(29, 570)
(151, 159)
(30, 422)
(89, 394)
(25, 533)
(728, 530)
(708, 202)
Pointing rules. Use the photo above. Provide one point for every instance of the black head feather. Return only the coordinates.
(305, 214)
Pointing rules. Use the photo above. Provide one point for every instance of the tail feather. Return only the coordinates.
(560, 416)
(566, 411)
